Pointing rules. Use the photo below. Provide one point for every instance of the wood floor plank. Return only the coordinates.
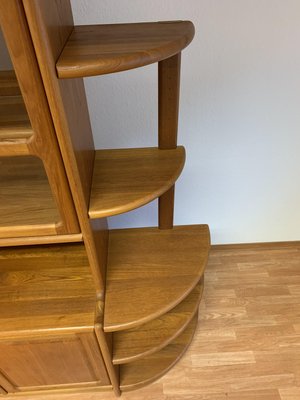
(290, 393)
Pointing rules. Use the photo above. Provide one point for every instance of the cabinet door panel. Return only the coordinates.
(63, 361)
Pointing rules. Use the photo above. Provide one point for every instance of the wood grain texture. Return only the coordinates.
(64, 361)
(40, 240)
(2, 391)
(168, 101)
(129, 178)
(14, 121)
(102, 49)
(8, 83)
(6, 384)
(142, 372)
(15, 127)
(43, 143)
(105, 344)
(27, 207)
(133, 344)
(50, 25)
(148, 263)
(168, 108)
(45, 291)
(234, 279)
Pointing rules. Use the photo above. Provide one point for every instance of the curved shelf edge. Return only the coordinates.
(150, 271)
(147, 370)
(125, 179)
(133, 344)
(102, 49)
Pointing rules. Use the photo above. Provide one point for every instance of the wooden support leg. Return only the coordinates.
(166, 209)
(168, 106)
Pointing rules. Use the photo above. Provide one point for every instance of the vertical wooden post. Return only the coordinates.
(168, 107)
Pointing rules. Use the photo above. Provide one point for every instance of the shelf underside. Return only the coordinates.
(132, 344)
(45, 289)
(129, 178)
(144, 371)
(14, 121)
(27, 207)
(150, 271)
(103, 49)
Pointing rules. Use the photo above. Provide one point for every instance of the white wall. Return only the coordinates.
(239, 118)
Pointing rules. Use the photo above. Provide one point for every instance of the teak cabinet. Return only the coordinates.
(82, 307)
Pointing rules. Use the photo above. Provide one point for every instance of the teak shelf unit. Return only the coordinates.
(88, 308)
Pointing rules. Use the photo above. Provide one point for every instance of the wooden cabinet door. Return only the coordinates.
(52, 363)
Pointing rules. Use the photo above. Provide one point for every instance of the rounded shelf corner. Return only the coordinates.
(145, 274)
(125, 179)
(140, 373)
(134, 344)
(102, 49)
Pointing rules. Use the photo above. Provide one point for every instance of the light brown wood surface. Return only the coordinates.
(132, 344)
(150, 368)
(168, 101)
(40, 240)
(45, 291)
(44, 142)
(14, 120)
(63, 361)
(15, 127)
(50, 25)
(246, 346)
(102, 49)
(27, 207)
(168, 108)
(129, 178)
(150, 271)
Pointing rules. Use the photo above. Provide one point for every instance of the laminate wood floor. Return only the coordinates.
(247, 346)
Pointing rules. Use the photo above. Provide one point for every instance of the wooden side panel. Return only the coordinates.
(62, 361)
(43, 143)
(50, 25)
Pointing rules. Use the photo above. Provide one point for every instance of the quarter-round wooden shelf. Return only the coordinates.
(103, 49)
(150, 271)
(144, 371)
(133, 344)
(129, 178)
